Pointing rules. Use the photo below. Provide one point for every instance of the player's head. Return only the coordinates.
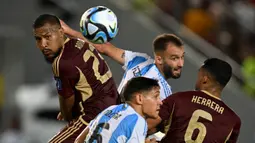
(169, 55)
(143, 95)
(214, 73)
(49, 36)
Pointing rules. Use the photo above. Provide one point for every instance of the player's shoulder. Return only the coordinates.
(136, 121)
(66, 67)
(238, 119)
(142, 126)
(113, 107)
(133, 117)
(72, 48)
(180, 97)
(133, 121)
(136, 54)
(183, 94)
(75, 42)
(232, 114)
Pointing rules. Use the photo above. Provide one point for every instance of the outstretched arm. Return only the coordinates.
(107, 49)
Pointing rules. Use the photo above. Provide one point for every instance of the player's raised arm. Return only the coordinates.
(107, 49)
(110, 50)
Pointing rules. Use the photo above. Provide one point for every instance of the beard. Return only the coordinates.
(51, 59)
(169, 72)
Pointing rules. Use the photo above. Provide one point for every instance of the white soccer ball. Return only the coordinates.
(99, 24)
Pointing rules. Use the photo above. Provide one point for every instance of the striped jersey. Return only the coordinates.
(117, 124)
(140, 64)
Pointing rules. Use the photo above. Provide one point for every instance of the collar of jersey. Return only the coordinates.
(159, 71)
(208, 93)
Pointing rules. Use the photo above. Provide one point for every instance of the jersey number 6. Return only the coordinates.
(194, 124)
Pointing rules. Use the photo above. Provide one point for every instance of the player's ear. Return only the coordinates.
(205, 79)
(158, 59)
(139, 98)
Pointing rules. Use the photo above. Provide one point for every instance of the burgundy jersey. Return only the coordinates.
(81, 71)
(198, 117)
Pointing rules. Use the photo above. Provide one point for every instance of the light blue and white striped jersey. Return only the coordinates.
(117, 124)
(140, 64)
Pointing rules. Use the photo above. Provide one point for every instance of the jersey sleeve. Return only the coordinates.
(134, 58)
(68, 77)
(167, 108)
(235, 133)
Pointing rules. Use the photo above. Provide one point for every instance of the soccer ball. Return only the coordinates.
(99, 24)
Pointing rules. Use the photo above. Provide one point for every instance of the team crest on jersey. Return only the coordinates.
(58, 83)
(79, 44)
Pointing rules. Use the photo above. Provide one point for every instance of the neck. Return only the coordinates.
(61, 49)
(214, 91)
(161, 70)
(136, 108)
(65, 39)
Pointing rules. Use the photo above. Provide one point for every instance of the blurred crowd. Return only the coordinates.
(226, 24)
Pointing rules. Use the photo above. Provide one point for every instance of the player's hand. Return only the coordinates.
(153, 140)
(66, 28)
(60, 117)
(71, 33)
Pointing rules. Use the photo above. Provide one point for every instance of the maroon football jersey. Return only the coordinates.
(81, 71)
(198, 117)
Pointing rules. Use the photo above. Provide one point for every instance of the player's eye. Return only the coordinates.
(174, 59)
(47, 36)
(156, 96)
(37, 38)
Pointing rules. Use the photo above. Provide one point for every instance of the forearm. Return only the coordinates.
(76, 34)
(115, 53)
(108, 49)
(67, 114)
(66, 105)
